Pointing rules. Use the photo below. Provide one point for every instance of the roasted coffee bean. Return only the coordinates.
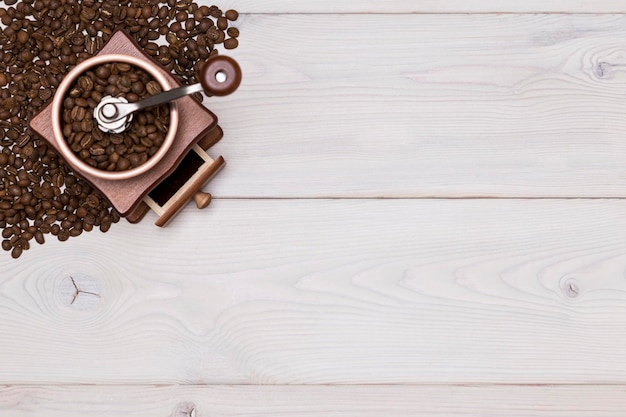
(231, 15)
(138, 87)
(78, 113)
(222, 23)
(192, 45)
(231, 43)
(39, 237)
(89, 219)
(204, 25)
(105, 225)
(62, 234)
(22, 242)
(15, 190)
(96, 150)
(103, 72)
(215, 11)
(16, 252)
(123, 164)
(153, 88)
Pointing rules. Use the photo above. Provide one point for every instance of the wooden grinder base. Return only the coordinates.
(197, 131)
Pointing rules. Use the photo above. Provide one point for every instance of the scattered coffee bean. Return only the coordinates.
(233, 32)
(232, 15)
(231, 43)
(16, 252)
(222, 23)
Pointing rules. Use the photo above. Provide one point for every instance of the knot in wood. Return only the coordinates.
(571, 288)
(604, 70)
(80, 291)
(185, 409)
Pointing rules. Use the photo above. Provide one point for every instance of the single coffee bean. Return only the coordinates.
(153, 88)
(123, 67)
(106, 224)
(86, 83)
(15, 190)
(215, 11)
(39, 237)
(62, 234)
(103, 72)
(190, 24)
(204, 25)
(78, 113)
(231, 43)
(222, 23)
(232, 15)
(16, 252)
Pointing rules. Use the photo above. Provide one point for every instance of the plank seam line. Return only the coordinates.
(458, 13)
(419, 198)
(4, 385)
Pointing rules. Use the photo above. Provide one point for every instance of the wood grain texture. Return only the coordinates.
(455, 296)
(323, 291)
(424, 6)
(426, 106)
(313, 401)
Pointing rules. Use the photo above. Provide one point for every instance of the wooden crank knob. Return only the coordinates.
(202, 199)
(220, 76)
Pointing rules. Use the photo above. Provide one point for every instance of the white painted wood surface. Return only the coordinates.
(426, 6)
(314, 401)
(346, 246)
(330, 292)
(427, 106)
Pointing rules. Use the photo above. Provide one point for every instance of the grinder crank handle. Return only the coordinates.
(219, 76)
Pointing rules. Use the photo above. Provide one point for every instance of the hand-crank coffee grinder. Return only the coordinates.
(181, 166)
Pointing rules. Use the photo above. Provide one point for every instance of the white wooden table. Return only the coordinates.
(422, 214)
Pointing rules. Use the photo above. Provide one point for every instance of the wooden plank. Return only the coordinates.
(312, 401)
(327, 291)
(424, 6)
(426, 106)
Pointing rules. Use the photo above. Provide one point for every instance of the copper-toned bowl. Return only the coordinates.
(72, 159)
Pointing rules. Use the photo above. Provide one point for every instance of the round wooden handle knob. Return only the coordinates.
(220, 76)
(202, 199)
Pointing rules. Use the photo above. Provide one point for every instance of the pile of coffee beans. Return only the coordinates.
(40, 42)
(114, 151)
